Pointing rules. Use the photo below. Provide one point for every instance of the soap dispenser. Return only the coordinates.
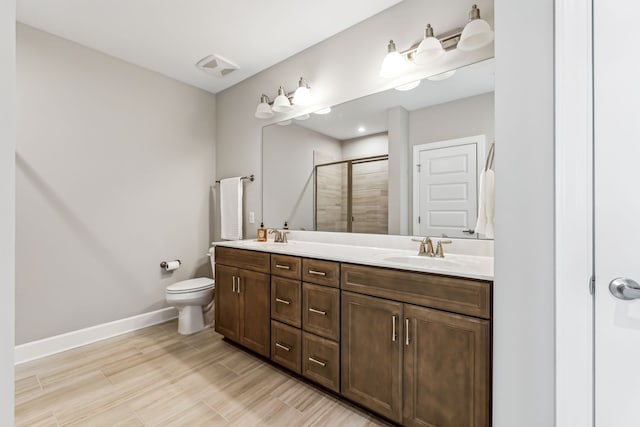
(262, 233)
(286, 226)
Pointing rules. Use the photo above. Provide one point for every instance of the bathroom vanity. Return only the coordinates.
(378, 327)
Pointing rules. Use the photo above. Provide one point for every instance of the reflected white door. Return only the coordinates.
(445, 200)
(617, 211)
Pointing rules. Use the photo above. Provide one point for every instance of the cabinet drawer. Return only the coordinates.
(464, 296)
(286, 344)
(285, 301)
(286, 266)
(241, 258)
(321, 361)
(321, 310)
(321, 272)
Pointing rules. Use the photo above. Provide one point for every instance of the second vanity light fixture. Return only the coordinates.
(284, 101)
(475, 35)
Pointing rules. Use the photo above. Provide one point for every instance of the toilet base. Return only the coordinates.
(190, 320)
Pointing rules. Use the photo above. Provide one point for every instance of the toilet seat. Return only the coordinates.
(191, 285)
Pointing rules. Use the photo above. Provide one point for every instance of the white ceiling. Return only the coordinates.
(370, 112)
(171, 36)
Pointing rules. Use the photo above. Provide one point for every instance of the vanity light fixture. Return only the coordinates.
(476, 34)
(281, 104)
(429, 49)
(284, 102)
(394, 63)
(263, 111)
(302, 95)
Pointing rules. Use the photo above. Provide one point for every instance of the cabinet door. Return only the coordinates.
(255, 329)
(372, 353)
(446, 370)
(227, 303)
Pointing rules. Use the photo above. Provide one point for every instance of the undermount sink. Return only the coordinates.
(424, 261)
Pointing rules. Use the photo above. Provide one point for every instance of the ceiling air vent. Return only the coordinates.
(216, 65)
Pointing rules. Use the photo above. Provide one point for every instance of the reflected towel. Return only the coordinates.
(486, 202)
(231, 208)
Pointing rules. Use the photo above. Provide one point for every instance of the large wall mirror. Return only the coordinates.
(335, 171)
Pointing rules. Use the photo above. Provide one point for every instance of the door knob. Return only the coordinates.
(625, 289)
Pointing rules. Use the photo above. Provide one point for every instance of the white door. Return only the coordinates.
(617, 211)
(445, 188)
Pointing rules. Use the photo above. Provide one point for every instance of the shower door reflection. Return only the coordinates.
(352, 195)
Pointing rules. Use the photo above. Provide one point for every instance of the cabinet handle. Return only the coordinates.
(406, 331)
(284, 347)
(283, 301)
(394, 332)
(238, 284)
(284, 267)
(317, 273)
(313, 310)
(233, 284)
(319, 362)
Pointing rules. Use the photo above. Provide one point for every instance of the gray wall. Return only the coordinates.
(7, 205)
(456, 119)
(365, 146)
(291, 182)
(524, 296)
(114, 168)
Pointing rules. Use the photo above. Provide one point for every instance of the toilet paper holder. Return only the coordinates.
(165, 264)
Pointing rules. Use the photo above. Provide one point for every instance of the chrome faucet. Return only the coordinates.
(439, 250)
(279, 236)
(426, 247)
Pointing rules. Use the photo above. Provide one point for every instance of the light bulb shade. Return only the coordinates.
(302, 96)
(281, 104)
(476, 34)
(263, 111)
(392, 66)
(429, 49)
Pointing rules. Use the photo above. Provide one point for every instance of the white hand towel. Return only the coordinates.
(486, 202)
(231, 208)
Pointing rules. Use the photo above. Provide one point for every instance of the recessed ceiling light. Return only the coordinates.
(361, 129)
(323, 111)
(408, 86)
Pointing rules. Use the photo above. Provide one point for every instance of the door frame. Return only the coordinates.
(574, 213)
(481, 149)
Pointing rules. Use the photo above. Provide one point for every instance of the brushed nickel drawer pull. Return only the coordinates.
(233, 284)
(284, 347)
(394, 332)
(406, 331)
(282, 266)
(319, 362)
(313, 310)
(283, 301)
(317, 273)
(238, 284)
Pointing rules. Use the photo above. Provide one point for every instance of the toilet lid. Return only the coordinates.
(191, 285)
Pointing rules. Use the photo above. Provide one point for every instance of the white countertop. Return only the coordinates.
(461, 265)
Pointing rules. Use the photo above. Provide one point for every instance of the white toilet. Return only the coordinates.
(189, 297)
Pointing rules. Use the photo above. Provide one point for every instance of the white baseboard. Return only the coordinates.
(56, 344)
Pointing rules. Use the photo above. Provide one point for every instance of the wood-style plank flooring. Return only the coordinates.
(156, 377)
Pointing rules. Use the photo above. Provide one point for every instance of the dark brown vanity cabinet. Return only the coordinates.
(242, 307)
(372, 353)
(415, 365)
